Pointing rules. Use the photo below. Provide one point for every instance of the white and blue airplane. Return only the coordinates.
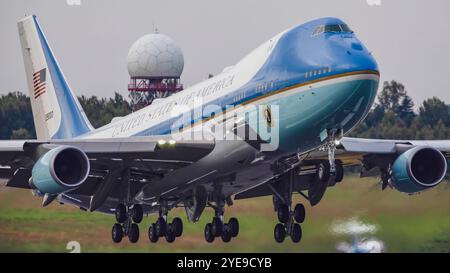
(308, 87)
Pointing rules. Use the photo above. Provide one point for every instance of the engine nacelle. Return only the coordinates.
(418, 169)
(59, 170)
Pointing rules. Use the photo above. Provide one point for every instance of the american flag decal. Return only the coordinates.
(39, 83)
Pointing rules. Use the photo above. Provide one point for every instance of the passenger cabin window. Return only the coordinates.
(339, 28)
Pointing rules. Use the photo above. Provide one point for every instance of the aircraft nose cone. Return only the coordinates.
(357, 57)
(360, 60)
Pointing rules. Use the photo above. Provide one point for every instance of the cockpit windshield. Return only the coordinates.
(336, 28)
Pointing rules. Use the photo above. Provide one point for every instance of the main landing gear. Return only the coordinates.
(218, 228)
(328, 173)
(290, 219)
(161, 228)
(127, 219)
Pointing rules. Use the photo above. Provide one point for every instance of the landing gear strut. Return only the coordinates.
(128, 216)
(218, 228)
(290, 219)
(329, 172)
(330, 147)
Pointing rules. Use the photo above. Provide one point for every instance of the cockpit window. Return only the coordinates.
(333, 28)
(338, 28)
(319, 30)
(345, 28)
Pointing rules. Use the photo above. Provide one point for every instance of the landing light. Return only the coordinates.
(172, 142)
(337, 142)
(162, 142)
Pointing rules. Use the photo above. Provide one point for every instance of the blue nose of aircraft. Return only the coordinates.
(340, 75)
(347, 53)
(316, 50)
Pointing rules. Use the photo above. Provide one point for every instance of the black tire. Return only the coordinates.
(152, 235)
(177, 225)
(339, 176)
(170, 233)
(117, 233)
(133, 233)
(226, 233)
(137, 213)
(296, 234)
(217, 226)
(323, 171)
(209, 236)
(283, 213)
(161, 227)
(233, 224)
(121, 213)
(279, 233)
(299, 213)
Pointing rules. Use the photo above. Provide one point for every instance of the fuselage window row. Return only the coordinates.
(317, 72)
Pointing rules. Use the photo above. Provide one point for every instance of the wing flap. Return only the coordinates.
(20, 179)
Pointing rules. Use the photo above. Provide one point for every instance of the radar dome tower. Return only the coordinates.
(155, 64)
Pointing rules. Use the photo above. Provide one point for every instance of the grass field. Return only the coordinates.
(418, 223)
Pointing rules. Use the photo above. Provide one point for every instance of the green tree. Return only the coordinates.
(433, 110)
(391, 95)
(375, 116)
(15, 114)
(102, 111)
(21, 133)
(406, 109)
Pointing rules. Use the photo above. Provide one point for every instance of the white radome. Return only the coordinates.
(155, 55)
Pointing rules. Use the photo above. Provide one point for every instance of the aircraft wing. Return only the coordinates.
(375, 156)
(357, 151)
(146, 158)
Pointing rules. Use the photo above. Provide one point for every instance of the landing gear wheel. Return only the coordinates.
(296, 233)
(117, 233)
(209, 236)
(161, 227)
(137, 213)
(323, 171)
(233, 225)
(170, 233)
(177, 226)
(133, 233)
(299, 213)
(121, 213)
(226, 233)
(279, 233)
(283, 213)
(152, 234)
(339, 175)
(217, 226)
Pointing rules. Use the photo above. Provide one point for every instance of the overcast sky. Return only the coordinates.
(409, 38)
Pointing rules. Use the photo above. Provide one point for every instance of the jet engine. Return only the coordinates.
(418, 169)
(60, 170)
